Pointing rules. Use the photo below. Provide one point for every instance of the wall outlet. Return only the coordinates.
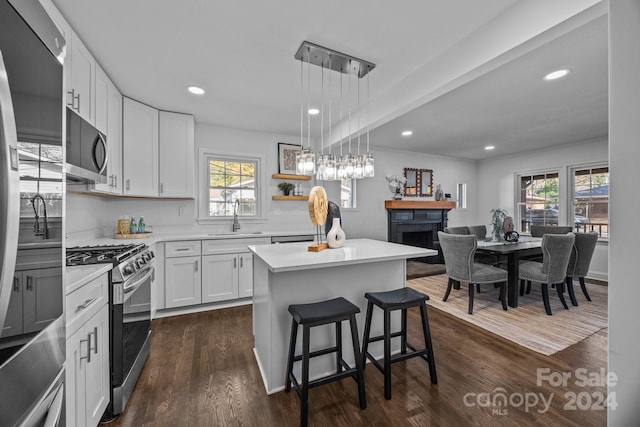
(180, 210)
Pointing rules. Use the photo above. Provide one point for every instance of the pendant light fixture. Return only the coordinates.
(306, 158)
(328, 167)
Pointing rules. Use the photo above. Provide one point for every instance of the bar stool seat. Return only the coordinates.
(398, 299)
(334, 311)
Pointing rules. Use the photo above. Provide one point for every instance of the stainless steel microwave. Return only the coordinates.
(87, 152)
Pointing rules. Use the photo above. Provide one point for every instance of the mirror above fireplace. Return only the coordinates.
(419, 182)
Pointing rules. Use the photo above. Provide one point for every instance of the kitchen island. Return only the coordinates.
(287, 274)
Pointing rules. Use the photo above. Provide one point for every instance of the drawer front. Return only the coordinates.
(226, 246)
(85, 301)
(182, 248)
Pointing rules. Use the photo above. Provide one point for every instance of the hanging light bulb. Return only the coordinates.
(369, 163)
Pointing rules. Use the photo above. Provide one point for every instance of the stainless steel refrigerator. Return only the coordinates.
(32, 330)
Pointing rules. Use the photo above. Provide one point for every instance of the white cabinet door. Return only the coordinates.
(87, 371)
(35, 301)
(80, 94)
(97, 369)
(75, 374)
(219, 277)
(140, 148)
(101, 100)
(13, 322)
(42, 301)
(182, 281)
(114, 142)
(245, 275)
(177, 156)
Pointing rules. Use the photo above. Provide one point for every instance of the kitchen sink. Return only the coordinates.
(253, 233)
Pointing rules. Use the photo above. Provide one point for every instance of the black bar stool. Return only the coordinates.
(316, 314)
(398, 299)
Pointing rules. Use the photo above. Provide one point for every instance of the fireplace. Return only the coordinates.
(417, 223)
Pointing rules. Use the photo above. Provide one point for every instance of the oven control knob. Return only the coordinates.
(140, 262)
(129, 269)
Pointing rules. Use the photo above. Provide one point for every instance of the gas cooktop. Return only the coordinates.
(102, 254)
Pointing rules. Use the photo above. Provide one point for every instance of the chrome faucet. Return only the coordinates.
(36, 227)
(236, 224)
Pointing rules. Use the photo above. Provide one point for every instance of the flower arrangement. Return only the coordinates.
(396, 185)
(497, 220)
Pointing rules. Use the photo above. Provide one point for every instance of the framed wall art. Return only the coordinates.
(287, 158)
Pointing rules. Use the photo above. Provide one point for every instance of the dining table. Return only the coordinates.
(513, 252)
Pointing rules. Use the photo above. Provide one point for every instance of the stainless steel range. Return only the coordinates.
(130, 312)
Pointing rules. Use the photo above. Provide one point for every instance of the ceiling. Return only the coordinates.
(461, 74)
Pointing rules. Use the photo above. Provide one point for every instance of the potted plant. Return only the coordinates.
(286, 187)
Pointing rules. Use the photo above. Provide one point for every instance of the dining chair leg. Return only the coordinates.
(456, 284)
(528, 291)
(470, 298)
(572, 294)
(584, 289)
(545, 298)
(560, 289)
(448, 291)
(522, 286)
(503, 295)
(478, 287)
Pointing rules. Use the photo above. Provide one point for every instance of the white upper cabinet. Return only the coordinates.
(176, 155)
(140, 149)
(101, 100)
(112, 115)
(81, 90)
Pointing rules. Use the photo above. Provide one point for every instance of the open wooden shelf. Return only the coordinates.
(290, 197)
(291, 177)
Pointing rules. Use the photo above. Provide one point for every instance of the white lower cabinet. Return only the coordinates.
(87, 352)
(219, 277)
(182, 281)
(207, 271)
(35, 301)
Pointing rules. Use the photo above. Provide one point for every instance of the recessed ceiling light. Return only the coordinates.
(313, 111)
(407, 132)
(489, 147)
(196, 90)
(557, 74)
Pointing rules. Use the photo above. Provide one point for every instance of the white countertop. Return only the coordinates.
(77, 276)
(156, 237)
(295, 256)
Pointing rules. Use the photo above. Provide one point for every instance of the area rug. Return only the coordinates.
(527, 325)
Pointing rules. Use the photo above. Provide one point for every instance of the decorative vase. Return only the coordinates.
(336, 236)
(496, 233)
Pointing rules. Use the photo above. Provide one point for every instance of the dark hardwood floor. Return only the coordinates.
(202, 372)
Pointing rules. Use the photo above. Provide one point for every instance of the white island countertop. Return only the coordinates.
(295, 256)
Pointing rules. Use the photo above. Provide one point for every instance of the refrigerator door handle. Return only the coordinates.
(9, 192)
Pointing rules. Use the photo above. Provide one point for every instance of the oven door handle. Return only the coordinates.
(134, 286)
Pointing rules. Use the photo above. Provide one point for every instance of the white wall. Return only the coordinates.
(497, 180)
(369, 219)
(624, 152)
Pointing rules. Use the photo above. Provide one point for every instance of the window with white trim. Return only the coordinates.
(591, 199)
(539, 200)
(231, 185)
(348, 193)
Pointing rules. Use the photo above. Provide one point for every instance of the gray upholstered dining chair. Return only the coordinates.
(459, 251)
(583, 248)
(556, 251)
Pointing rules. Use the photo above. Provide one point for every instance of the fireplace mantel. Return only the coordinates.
(418, 204)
